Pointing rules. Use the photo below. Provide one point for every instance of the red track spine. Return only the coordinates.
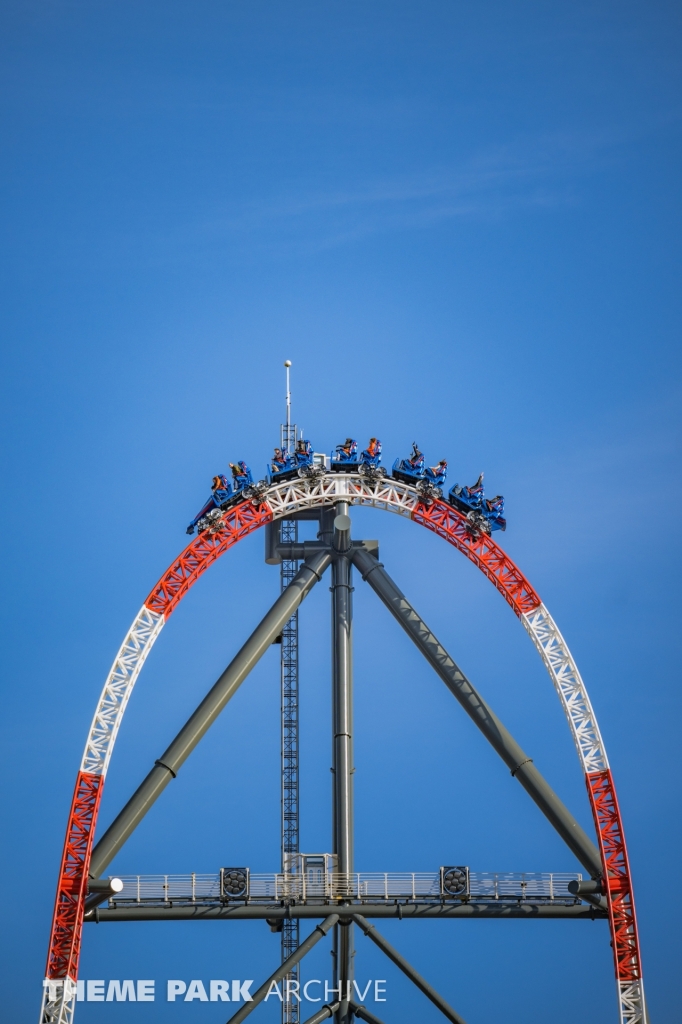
(617, 880)
(67, 921)
(203, 552)
(482, 550)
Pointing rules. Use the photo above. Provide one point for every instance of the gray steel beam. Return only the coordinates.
(168, 765)
(516, 759)
(318, 933)
(298, 550)
(100, 890)
(364, 1014)
(414, 976)
(406, 911)
(589, 890)
(342, 713)
(328, 1010)
(342, 739)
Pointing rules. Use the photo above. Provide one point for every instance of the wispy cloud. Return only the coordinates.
(308, 215)
(307, 218)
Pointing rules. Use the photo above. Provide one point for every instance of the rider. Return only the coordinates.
(347, 450)
(220, 488)
(494, 506)
(373, 449)
(416, 459)
(240, 474)
(280, 460)
(304, 450)
(220, 492)
(438, 473)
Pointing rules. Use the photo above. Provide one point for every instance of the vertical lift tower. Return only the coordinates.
(288, 535)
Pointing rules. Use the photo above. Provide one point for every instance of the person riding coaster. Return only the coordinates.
(303, 453)
(241, 476)
(371, 456)
(347, 452)
(281, 461)
(369, 461)
(416, 459)
(221, 492)
(436, 474)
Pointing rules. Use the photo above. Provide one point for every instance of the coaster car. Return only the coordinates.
(431, 485)
(484, 515)
(369, 460)
(281, 461)
(305, 461)
(223, 495)
(345, 457)
(285, 466)
(411, 470)
(282, 466)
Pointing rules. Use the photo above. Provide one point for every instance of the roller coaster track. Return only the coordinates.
(280, 501)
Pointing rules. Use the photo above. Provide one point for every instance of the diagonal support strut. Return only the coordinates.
(400, 961)
(318, 933)
(168, 765)
(328, 1010)
(520, 765)
(364, 1014)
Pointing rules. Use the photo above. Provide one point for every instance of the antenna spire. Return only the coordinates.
(287, 364)
(288, 430)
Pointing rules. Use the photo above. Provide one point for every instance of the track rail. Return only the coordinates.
(238, 522)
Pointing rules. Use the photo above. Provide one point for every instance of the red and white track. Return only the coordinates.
(281, 501)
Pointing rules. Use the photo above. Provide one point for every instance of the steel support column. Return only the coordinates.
(342, 740)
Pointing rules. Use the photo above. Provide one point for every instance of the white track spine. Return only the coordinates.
(632, 1005)
(568, 682)
(117, 690)
(385, 493)
(59, 999)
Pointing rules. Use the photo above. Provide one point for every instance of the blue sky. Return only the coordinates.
(461, 223)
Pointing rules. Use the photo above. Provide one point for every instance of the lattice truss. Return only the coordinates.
(59, 999)
(279, 502)
(117, 689)
(297, 494)
(632, 1005)
(569, 685)
(619, 889)
(290, 764)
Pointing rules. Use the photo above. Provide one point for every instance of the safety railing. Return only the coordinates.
(363, 886)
